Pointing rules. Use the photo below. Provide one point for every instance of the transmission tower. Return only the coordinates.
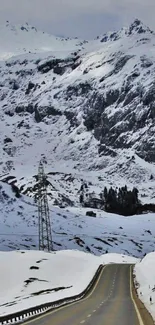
(45, 236)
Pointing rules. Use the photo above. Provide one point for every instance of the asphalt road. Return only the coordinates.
(109, 303)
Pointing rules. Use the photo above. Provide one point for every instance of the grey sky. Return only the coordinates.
(82, 18)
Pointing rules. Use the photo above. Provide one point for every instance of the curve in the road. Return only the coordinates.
(110, 302)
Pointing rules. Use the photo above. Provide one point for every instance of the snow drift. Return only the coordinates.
(145, 278)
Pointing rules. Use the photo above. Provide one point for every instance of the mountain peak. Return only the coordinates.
(137, 27)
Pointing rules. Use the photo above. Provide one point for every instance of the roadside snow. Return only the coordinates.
(29, 278)
(145, 277)
(118, 258)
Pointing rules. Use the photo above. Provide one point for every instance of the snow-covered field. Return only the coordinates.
(32, 278)
(145, 277)
(72, 229)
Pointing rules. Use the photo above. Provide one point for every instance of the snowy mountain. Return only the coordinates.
(86, 108)
(89, 113)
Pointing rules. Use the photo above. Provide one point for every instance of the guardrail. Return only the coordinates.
(24, 315)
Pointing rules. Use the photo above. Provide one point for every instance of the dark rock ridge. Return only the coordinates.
(114, 131)
(137, 27)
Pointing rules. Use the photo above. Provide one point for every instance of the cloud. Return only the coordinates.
(83, 18)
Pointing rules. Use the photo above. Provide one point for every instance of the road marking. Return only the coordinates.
(83, 321)
(69, 305)
(94, 310)
(136, 308)
(89, 315)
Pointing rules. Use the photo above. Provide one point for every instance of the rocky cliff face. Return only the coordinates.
(86, 110)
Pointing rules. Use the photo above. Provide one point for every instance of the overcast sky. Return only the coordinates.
(82, 18)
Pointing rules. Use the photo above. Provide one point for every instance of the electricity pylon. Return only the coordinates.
(45, 235)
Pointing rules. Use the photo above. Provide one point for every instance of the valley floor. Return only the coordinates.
(72, 229)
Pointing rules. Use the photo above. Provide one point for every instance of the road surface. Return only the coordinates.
(109, 303)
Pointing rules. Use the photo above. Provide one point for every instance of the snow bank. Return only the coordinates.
(30, 278)
(118, 258)
(23, 275)
(145, 276)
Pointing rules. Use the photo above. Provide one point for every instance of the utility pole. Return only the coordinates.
(45, 235)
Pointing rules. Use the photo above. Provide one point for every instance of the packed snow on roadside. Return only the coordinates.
(118, 258)
(30, 278)
(145, 278)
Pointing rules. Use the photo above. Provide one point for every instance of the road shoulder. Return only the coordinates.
(145, 315)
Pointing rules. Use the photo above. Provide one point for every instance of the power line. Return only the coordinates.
(19, 235)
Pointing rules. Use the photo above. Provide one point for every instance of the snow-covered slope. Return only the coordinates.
(72, 229)
(20, 39)
(89, 113)
(145, 279)
(45, 277)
